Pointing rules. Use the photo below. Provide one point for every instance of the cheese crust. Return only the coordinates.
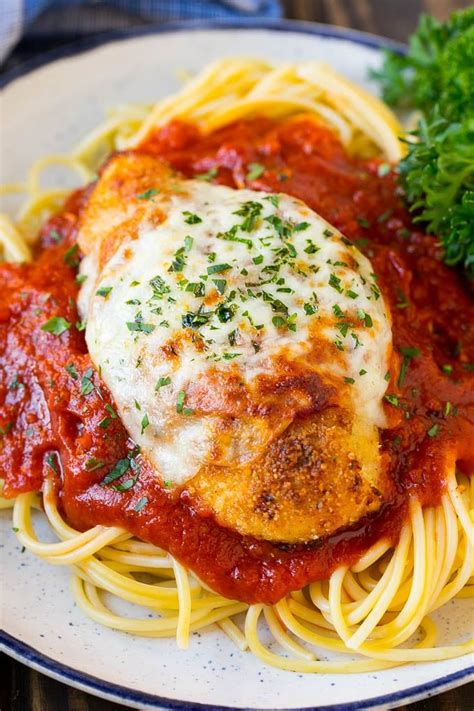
(245, 343)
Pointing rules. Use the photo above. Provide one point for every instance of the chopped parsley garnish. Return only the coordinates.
(408, 353)
(92, 464)
(139, 326)
(447, 368)
(197, 288)
(56, 325)
(104, 291)
(393, 400)
(148, 194)
(362, 372)
(335, 282)
(191, 218)
(274, 199)
(87, 384)
(179, 261)
(159, 287)
(141, 503)
(71, 369)
(55, 236)
(162, 382)
(311, 248)
(180, 400)
(255, 170)
(433, 431)
(196, 319)
(403, 302)
(220, 285)
(250, 211)
(365, 317)
(231, 236)
(349, 381)
(70, 256)
(218, 268)
(188, 243)
(363, 222)
(383, 169)
(226, 312)
(209, 175)
(351, 294)
(81, 278)
(119, 469)
(144, 423)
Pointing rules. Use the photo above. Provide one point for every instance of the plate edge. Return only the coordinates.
(25, 653)
(85, 44)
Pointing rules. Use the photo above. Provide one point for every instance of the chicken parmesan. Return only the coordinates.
(234, 350)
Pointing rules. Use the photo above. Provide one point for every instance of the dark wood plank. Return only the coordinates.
(390, 18)
(23, 689)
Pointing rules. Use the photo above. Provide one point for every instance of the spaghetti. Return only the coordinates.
(369, 607)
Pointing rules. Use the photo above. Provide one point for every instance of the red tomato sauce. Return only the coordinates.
(57, 419)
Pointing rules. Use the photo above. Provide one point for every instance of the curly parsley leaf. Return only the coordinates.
(436, 76)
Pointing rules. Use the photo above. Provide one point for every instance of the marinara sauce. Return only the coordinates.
(58, 420)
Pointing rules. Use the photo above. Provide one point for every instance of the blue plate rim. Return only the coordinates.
(29, 655)
(104, 689)
(88, 43)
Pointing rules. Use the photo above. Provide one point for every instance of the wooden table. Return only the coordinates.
(25, 690)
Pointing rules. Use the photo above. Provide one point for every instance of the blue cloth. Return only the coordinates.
(80, 17)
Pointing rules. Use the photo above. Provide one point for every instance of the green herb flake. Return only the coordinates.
(87, 385)
(148, 194)
(220, 285)
(71, 256)
(70, 368)
(119, 470)
(191, 218)
(408, 352)
(141, 503)
(209, 175)
(335, 282)
(56, 326)
(255, 170)
(139, 326)
(218, 268)
(92, 464)
(433, 431)
(273, 199)
(383, 169)
(104, 291)
(144, 423)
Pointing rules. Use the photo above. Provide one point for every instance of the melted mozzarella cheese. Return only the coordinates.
(230, 285)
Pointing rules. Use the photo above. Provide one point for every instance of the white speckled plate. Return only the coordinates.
(46, 111)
